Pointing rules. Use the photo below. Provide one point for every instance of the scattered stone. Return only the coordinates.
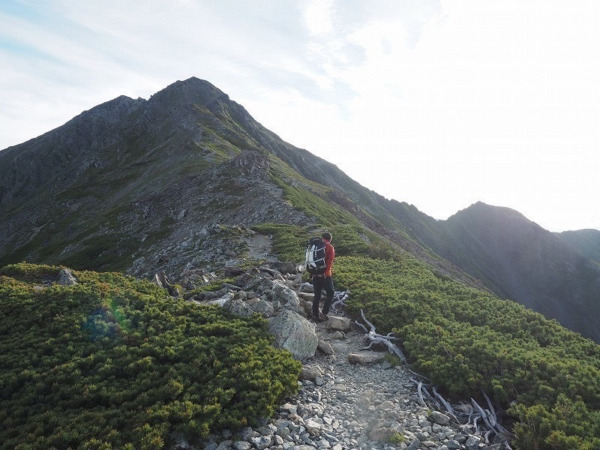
(223, 301)
(239, 308)
(262, 307)
(314, 428)
(261, 442)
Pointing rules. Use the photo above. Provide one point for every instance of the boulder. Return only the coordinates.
(310, 373)
(239, 308)
(308, 296)
(222, 301)
(262, 307)
(161, 279)
(286, 267)
(261, 442)
(285, 295)
(66, 278)
(325, 347)
(294, 333)
(472, 443)
(313, 427)
(367, 357)
(338, 323)
(439, 418)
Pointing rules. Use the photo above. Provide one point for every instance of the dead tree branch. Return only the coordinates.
(375, 338)
(339, 300)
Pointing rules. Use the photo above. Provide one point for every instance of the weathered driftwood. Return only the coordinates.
(446, 405)
(420, 391)
(484, 416)
(496, 424)
(463, 413)
(375, 338)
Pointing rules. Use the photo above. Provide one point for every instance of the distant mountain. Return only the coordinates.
(586, 242)
(519, 260)
(177, 182)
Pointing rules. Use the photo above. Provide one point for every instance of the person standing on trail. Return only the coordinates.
(324, 281)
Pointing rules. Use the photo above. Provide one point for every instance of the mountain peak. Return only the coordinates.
(481, 211)
(190, 91)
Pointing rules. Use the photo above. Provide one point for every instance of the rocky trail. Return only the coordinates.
(350, 398)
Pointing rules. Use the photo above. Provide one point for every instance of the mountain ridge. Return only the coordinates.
(149, 185)
(586, 242)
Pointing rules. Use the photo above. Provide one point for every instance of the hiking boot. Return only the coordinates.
(316, 318)
(323, 317)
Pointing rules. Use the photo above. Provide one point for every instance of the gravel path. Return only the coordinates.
(342, 406)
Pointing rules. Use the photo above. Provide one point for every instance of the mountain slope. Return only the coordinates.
(586, 242)
(519, 260)
(176, 183)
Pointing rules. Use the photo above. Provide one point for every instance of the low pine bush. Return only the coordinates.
(113, 362)
(467, 341)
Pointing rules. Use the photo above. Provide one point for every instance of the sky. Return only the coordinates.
(437, 103)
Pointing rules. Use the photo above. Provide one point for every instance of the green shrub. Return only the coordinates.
(467, 341)
(113, 362)
(289, 241)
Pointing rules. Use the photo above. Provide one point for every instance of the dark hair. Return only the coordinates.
(327, 235)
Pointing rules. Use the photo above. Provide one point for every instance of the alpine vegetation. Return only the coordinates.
(485, 310)
(113, 362)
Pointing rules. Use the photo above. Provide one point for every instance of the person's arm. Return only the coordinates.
(329, 257)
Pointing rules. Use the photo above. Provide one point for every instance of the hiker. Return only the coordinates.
(323, 281)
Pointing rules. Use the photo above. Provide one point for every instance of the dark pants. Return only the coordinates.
(320, 283)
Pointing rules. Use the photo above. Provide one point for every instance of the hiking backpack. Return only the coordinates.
(315, 256)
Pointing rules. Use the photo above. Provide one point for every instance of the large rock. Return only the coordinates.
(224, 300)
(285, 295)
(294, 333)
(313, 427)
(439, 418)
(263, 307)
(338, 323)
(310, 373)
(238, 307)
(66, 278)
(325, 347)
(367, 357)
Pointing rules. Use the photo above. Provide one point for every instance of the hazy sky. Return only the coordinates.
(436, 103)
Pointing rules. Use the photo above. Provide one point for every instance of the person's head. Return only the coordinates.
(327, 236)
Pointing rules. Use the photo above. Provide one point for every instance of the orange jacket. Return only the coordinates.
(329, 257)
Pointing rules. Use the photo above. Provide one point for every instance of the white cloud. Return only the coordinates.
(318, 17)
